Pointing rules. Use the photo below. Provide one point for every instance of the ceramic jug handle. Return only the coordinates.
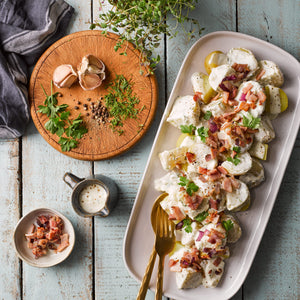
(71, 180)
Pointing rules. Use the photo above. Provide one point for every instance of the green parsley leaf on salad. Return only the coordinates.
(237, 149)
(187, 225)
(203, 133)
(207, 115)
(189, 129)
(234, 160)
(191, 187)
(228, 225)
(250, 121)
(201, 217)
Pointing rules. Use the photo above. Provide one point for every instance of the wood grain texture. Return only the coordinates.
(43, 169)
(9, 214)
(112, 280)
(100, 142)
(275, 271)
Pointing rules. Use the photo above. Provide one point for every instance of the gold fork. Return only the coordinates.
(164, 243)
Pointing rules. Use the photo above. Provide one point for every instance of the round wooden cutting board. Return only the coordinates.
(100, 142)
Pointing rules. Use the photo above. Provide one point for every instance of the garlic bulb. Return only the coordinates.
(64, 76)
(91, 72)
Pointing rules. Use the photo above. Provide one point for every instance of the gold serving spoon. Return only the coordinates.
(149, 269)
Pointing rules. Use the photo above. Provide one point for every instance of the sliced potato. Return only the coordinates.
(242, 167)
(188, 278)
(201, 84)
(213, 60)
(259, 150)
(170, 158)
(255, 175)
(272, 74)
(238, 197)
(235, 232)
(266, 131)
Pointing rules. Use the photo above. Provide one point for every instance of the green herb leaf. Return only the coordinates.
(201, 217)
(207, 115)
(234, 160)
(189, 129)
(250, 121)
(237, 149)
(203, 133)
(187, 225)
(191, 187)
(183, 181)
(228, 225)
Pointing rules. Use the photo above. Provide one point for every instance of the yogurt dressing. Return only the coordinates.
(92, 198)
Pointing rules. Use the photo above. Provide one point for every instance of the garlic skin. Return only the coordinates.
(91, 72)
(64, 76)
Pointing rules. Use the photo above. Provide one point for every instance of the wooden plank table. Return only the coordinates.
(31, 176)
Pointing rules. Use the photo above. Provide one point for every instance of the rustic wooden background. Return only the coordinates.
(31, 176)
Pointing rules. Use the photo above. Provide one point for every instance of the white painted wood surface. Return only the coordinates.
(31, 176)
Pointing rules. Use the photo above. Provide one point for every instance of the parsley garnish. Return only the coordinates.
(228, 225)
(191, 187)
(207, 115)
(250, 121)
(189, 129)
(187, 225)
(59, 122)
(202, 216)
(234, 160)
(203, 133)
(237, 149)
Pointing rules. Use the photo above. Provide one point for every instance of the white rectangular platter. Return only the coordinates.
(139, 237)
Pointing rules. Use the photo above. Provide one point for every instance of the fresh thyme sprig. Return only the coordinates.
(144, 22)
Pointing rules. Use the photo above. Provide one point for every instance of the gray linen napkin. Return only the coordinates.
(27, 28)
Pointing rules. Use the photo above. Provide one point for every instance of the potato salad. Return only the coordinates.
(225, 129)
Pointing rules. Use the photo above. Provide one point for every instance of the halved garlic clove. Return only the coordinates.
(91, 72)
(64, 76)
(89, 81)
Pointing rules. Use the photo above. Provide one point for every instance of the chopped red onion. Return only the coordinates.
(223, 87)
(231, 77)
(243, 97)
(179, 225)
(200, 236)
(206, 232)
(213, 127)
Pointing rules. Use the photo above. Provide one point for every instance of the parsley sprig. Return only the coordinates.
(201, 217)
(187, 225)
(191, 187)
(189, 129)
(228, 225)
(250, 121)
(59, 122)
(144, 23)
(207, 115)
(203, 133)
(234, 160)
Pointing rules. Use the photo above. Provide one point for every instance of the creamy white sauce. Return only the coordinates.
(92, 198)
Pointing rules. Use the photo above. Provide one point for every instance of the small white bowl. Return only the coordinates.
(20, 242)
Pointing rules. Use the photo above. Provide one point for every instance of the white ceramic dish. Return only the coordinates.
(25, 253)
(139, 237)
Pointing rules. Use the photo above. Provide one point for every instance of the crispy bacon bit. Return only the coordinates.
(64, 242)
(227, 185)
(218, 233)
(190, 157)
(176, 214)
(213, 203)
(235, 183)
(40, 232)
(191, 259)
(203, 179)
(193, 201)
(260, 74)
(212, 140)
(214, 175)
(197, 97)
(218, 272)
(217, 261)
(216, 97)
(243, 106)
(240, 68)
(261, 97)
(208, 157)
(233, 102)
(222, 170)
(214, 153)
(247, 88)
(225, 97)
(203, 171)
